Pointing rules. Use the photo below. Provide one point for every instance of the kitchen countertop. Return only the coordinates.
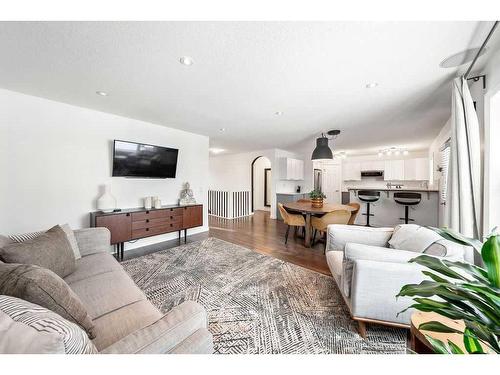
(290, 193)
(394, 189)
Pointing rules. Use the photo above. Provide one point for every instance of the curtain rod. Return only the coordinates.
(481, 48)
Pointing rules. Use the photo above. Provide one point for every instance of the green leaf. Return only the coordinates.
(438, 346)
(471, 343)
(435, 277)
(474, 271)
(455, 349)
(450, 235)
(437, 265)
(438, 327)
(484, 334)
(491, 258)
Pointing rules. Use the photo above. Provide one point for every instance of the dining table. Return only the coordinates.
(308, 210)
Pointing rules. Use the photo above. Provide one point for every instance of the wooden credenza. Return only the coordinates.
(136, 223)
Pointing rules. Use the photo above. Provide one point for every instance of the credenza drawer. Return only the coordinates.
(150, 223)
(156, 214)
(152, 231)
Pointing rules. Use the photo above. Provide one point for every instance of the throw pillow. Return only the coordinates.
(50, 250)
(43, 287)
(29, 236)
(29, 328)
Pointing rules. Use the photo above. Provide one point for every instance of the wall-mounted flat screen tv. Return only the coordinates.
(143, 161)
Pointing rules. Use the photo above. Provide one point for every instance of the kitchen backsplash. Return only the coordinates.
(368, 182)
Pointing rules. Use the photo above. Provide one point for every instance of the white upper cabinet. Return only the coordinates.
(351, 171)
(416, 169)
(372, 165)
(394, 170)
(292, 169)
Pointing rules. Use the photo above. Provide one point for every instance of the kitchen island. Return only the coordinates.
(388, 213)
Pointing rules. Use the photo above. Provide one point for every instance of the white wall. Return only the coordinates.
(54, 157)
(258, 183)
(233, 172)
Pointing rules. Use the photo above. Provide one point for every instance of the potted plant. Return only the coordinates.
(317, 198)
(465, 292)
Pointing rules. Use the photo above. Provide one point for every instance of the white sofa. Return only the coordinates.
(370, 274)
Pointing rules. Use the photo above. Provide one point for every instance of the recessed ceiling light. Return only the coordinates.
(102, 93)
(215, 150)
(186, 60)
(405, 152)
(371, 85)
(278, 113)
(222, 130)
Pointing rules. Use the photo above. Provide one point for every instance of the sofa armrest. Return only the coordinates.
(375, 286)
(166, 334)
(93, 240)
(355, 251)
(338, 235)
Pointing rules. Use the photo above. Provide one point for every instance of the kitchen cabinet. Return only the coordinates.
(416, 169)
(351, 171)
(292, 169)
(394, 170)
(372, 165)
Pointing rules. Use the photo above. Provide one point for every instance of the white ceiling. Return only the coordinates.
(244, 72)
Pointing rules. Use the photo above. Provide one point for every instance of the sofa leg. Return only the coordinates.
(362, 329)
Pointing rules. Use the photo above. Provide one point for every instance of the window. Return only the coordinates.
(444, 163)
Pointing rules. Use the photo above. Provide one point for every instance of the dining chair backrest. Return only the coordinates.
(283, 212)
(336, 217)
(353, 213)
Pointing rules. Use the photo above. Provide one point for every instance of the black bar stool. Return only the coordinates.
(407, 199)
(368, 196)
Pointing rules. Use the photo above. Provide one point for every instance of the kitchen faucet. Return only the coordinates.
(391, 185)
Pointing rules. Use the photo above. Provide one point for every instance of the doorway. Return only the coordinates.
(267, 187)
(261, 184)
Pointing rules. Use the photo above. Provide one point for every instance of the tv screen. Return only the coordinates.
(142, 160)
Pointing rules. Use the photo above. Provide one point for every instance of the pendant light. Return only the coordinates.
(322, 150)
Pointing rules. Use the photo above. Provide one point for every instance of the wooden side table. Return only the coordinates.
(418, 342)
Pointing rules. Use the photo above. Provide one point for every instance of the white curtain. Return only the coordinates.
(464, 203)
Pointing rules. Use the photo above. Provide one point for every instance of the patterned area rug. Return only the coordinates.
(256, 303)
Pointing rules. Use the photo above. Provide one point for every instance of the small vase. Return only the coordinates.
(317, 202)
(106, 202)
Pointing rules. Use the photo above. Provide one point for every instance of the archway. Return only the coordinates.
(260, 183)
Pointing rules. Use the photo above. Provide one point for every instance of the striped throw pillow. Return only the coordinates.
(66, 228)
(34, 329)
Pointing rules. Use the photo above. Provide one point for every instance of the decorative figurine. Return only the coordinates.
(187, 196)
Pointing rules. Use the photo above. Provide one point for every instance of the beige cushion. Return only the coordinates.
(43, 287)
(29, 328)
(106, 292)
(29, 236)
(92, 265)
(50, 250)
(166, 333)
(117, 324)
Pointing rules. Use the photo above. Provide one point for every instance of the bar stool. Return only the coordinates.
(407, 199)
(368, 196)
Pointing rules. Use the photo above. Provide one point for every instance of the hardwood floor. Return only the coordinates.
(267, 236)
(257, 232)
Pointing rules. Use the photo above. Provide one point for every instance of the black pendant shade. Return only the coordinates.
(322, 151)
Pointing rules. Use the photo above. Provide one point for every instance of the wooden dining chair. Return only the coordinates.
(292, 220)
(320, 224)
(353, 213)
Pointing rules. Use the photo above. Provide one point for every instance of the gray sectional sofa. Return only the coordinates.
(125, 321)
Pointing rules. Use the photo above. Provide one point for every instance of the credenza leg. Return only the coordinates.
(180, 235)
(185, 235)
(123, 249)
